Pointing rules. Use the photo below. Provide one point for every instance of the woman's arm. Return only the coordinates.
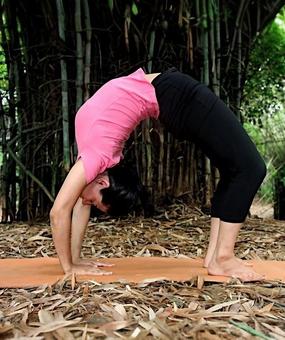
(80, 218)
(60, 215)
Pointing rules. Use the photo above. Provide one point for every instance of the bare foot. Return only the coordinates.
(233, 267)
(207, 261)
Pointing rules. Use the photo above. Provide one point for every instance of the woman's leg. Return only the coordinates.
(214, 232)
(191, 111)
(224, 261)
(213, 240)
(242, 170)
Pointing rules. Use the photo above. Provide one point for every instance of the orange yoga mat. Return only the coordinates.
(33, 272)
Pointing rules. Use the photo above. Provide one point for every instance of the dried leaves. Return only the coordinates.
(153, 309)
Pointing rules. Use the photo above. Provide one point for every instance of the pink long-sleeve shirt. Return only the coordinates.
(105, 121)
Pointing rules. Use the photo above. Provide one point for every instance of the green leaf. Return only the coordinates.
(249, 329)
(111, 4)
(135, 10)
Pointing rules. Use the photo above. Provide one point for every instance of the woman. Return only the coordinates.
(189, 110)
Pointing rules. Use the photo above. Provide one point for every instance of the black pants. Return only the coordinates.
(191, 111)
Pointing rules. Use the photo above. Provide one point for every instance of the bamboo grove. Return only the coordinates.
(57, 53)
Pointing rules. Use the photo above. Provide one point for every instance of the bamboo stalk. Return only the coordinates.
(136, 150)
(160, 180)
(217, 88)
(79, 55)
(168, 163)
(218, 47)
(11, 185)
(211, 10)
(143, 156)
(3, 168)
(273, 8)
(179, 180)
(151, 50)
(127, 23)
(198, 15)
(149, 170)
(87, 63)
(206, 81)
(64, 88)
(192, 163)
(242, 7)
(29, 173)
(174, 166)
(187, 165)
(239, 74)
(190, 47)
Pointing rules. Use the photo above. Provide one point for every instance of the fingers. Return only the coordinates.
(101, 272)
(88, 269)
(102, 264)
(90, 262)
(95, 272)
(98, 264)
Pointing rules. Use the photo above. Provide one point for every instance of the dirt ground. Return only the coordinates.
(151, 310)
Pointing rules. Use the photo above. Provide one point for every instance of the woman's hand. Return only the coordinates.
(92, 262)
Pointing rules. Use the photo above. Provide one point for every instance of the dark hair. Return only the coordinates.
(124, 192)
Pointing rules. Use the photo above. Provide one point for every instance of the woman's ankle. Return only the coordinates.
(223, 257)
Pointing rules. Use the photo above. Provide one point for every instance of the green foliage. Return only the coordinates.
(264, 101)
(111, 4)
(135, 10)
(3, 71)
(270, 141)
(264, 88)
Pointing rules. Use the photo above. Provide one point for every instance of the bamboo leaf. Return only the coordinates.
(135, 10)
(249, 329)
(111, 4)
(115, 325)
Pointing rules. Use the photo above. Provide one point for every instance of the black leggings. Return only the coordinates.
(191, 111)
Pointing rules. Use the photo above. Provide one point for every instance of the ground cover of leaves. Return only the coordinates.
(152, 310)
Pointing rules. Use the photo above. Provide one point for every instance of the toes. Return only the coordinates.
(247, 275)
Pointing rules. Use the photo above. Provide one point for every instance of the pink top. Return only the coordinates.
(105, 121)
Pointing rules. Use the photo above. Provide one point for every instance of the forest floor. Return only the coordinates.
(160, 309)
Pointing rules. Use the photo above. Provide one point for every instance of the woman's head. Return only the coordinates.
(124, 190)
(91, 195)
(117, 191)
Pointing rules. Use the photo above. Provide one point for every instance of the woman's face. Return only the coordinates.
(91, 195)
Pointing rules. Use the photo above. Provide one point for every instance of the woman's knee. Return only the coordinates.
(262, 170)
(256, 171)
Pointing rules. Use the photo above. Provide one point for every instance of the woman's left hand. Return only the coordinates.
(92, 262)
